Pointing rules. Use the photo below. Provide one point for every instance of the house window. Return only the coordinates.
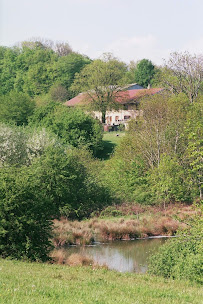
(127, 117)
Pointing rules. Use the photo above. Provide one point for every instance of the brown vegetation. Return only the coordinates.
(60, 256)
(72, 233)
(141, 222)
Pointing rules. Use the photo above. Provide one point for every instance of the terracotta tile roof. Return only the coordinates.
(121, 97)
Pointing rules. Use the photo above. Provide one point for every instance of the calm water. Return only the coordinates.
(122, 256)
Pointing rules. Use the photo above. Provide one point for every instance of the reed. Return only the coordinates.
(153, 221)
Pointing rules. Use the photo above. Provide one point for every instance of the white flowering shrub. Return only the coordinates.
(19, 146)
(13, 150)
(37, 142)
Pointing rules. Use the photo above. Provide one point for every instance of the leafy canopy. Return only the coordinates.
(72, 126)
(144, 72)
(101, 81)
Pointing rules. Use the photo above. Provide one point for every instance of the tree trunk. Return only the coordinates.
(103, 117)
(200, 193)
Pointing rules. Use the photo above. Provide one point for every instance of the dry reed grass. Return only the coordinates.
(153, 222)
(71, 233)
(76, 259)
(59, 256)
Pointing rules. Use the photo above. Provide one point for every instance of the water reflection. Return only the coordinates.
(122, 256)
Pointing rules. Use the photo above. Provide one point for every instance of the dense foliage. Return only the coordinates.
(160, 158)
(54, 184)
(71, 125)
(16, 108)
(34, 67)
(144, 72)
(101, 80)
(181, 258)
(25, 212)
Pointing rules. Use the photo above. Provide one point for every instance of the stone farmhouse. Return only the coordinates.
(127, 99)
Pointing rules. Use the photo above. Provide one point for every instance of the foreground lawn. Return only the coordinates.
(22, 282)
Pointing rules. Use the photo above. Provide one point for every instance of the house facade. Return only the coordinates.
(127, 103)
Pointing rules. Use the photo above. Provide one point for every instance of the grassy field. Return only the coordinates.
(22, 282)
(110, 141)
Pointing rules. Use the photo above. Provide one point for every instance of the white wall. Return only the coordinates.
(117, 117)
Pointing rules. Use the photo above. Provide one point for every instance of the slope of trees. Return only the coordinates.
(34, 67)
(160, 158)
(47, 168)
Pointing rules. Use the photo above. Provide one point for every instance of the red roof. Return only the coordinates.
(121, 97)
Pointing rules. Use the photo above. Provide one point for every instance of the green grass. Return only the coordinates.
(110, 141)
(22, 282)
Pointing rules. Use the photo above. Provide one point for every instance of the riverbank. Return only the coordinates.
(129, 222)
(23, 282)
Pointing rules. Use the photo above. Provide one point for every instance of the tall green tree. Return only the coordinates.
(16, 108)
(101, 81)
(144, 72)
(8, 68)
(68, 66)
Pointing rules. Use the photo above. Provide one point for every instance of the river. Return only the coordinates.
(123, 256)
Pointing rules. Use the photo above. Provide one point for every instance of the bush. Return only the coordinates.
(181, 258)
(25, 212)
(16, 108)
(20, 146)
(74, 190)
(54, 184)
(126, 177)
(13, 148)
(110, 211)
(72, 126)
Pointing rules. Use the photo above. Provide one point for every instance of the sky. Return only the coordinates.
(130, 29)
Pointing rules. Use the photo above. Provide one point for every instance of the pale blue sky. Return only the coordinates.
(131, 29)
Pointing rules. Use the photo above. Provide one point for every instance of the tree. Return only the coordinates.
(194, 151)
(101, 81)
(62, 48)
(144, 72)
(159, 129)
(25, 215)
(183, 73)
(16, 108)
(58, 93)
(168, 182)
(8, 68)
(21, 146)
(36, 65)
(68, 66)
(72, 126)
